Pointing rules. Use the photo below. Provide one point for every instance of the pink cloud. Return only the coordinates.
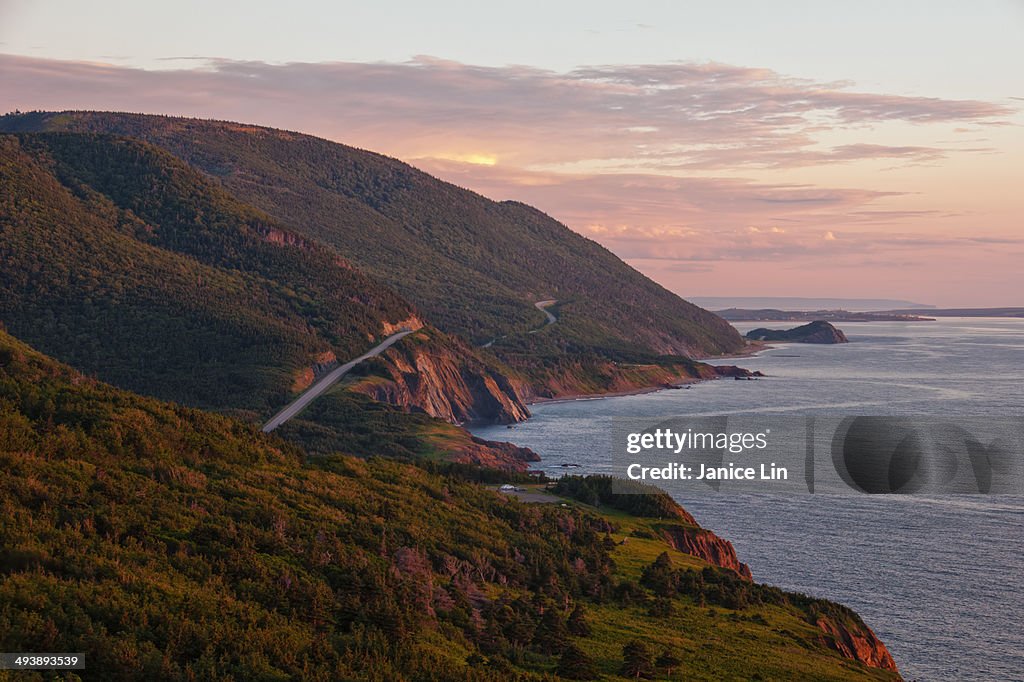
(667, 116)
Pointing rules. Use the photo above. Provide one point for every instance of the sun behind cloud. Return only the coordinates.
(473, 158)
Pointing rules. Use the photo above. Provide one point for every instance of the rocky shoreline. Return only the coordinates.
(722, 372)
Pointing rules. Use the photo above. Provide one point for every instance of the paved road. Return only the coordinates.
(328, 380)
(541, 306)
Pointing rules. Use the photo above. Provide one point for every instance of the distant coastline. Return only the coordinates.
(764, 314)
(965, 312)
(842, 315)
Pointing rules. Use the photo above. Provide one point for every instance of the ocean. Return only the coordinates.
(940, 579)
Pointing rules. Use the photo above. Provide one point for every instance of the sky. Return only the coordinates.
(870, 149)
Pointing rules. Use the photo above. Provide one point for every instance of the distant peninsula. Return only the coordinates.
(749, 315)
(818, 331)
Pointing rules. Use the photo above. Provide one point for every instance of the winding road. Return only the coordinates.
(543, 307)
(325, 382)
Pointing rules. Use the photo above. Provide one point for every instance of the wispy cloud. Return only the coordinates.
(651, 117)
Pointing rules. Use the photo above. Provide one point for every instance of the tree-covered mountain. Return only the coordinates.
(117, 257)
(474, 266)
(169, 543)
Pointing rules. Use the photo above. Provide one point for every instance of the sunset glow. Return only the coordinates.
(472, 159)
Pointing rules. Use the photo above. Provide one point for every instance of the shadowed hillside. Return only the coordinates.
(472, 265)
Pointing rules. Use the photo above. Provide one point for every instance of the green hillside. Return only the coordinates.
(123, 261)
(474, 266)
(168, 543)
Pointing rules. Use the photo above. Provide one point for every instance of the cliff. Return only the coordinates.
(705, 545)
(492, 454)
(444, 377)
(322, 362)
(411, 322)
(853, 639)
(818, 331)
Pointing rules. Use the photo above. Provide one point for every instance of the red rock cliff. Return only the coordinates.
(442, 376)
(493, 454)
(705, 545)
(854, 639)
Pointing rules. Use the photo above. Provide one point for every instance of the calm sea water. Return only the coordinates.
(939, 579)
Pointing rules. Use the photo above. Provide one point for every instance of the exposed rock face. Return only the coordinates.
(855, 640)
(818, 331)
(443, 377)
(736, 372)
(494, 454)
(412, 322)
(705, 545)
(321, 363)
(281, 238)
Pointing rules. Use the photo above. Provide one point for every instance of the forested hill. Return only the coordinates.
(120, 259)
(167, 543)
(474, 266)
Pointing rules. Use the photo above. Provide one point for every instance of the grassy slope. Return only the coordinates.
(473, 265)
(166, 543)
